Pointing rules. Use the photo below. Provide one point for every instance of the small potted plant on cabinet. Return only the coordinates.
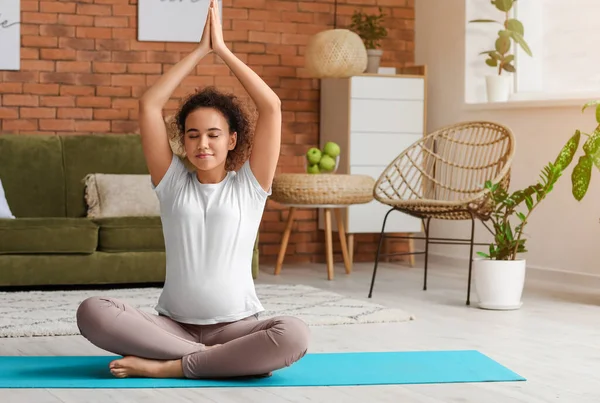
(371, 31)
(501, 58)
(500, 275)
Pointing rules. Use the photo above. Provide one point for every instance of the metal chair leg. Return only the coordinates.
(471, 259)
(381, 237)
(428, 221)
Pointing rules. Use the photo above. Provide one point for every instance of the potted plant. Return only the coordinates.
(500, 275)
(501, 58)
(371, 31)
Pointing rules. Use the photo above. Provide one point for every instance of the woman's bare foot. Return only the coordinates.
(136, 367)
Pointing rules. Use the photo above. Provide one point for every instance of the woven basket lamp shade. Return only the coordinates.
(335, 53)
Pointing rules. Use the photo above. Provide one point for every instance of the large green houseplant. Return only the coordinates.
(371, 30)
(502, 57)
(500, 275)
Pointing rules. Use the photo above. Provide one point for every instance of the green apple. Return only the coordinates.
(313, 169)
(313, 155)
(327, 163)
(331, 149)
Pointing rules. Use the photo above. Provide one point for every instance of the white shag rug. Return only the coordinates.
(52, 313)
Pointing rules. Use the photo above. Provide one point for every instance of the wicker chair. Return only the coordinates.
(442, 176)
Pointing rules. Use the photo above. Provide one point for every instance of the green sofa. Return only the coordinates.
(51, 242)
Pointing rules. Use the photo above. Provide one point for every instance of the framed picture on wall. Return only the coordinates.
(10, 35)
(172, 20)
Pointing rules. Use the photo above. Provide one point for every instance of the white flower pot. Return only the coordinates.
(373, 60)
(498, 87)
(499, 283)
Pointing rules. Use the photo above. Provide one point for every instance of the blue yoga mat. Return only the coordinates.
(327, 369)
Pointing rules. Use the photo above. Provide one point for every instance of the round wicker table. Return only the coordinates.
(331, 192)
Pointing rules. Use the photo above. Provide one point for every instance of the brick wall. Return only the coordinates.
(83, 69)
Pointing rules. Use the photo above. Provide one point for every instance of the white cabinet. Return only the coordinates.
(373, 118)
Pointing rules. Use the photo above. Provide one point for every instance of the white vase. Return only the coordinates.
(499, 283)
(497, 87)
(373, 60)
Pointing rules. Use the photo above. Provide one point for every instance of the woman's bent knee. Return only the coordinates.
(90, 315)
(296, 335)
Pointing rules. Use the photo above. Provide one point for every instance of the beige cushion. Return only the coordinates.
(172, 133)
(176, 146)
(120, 195)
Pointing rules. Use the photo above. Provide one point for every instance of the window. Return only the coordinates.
(563, 39)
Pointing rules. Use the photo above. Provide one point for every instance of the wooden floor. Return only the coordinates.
(552, 341)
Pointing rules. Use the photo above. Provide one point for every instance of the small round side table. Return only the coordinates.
(331, 192)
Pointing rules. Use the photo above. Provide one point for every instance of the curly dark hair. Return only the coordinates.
(234, 111)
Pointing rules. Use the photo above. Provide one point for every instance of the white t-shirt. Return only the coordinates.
(209, 232)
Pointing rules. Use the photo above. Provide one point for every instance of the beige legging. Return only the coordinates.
(248, 347)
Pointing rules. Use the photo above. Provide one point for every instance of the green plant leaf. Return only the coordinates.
(503, 5)
(502, 45)
(529, 202)
(518, 38)
(508, 233)
(568, 151)
(592, 144)
(485, 20)
(590, 103)
(485, 255)
(592, 148)
(515, 25)
(504, 33)
(509, 67)
(491, 62)
(521, 216)
(509, 58)
(369, 28)
(580, 177)
(492, 54)
(596, 159)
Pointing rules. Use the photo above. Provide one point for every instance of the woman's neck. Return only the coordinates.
(211, 177)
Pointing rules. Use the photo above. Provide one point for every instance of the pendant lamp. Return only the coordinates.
(335, 53)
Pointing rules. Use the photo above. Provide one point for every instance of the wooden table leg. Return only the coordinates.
(351, 248)
(411, 249)
(328, 244)
(342, 234)
(284, 241)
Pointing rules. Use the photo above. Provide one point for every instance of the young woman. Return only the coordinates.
(207, 324)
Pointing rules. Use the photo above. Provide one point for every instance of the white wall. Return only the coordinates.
(540, 134)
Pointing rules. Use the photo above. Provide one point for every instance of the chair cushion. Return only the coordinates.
(130, 234)
(48, 235)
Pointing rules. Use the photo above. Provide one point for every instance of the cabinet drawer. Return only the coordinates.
(400, 88)
(372, 115)
(378, 148)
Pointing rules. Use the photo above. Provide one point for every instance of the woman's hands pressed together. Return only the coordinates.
(217, 41)
(212, 35)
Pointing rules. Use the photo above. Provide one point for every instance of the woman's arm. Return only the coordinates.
(155, 142)
(267, 136)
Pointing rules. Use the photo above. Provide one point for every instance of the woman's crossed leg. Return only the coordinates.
(149, 343)
(157, 346)
(248, 347)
